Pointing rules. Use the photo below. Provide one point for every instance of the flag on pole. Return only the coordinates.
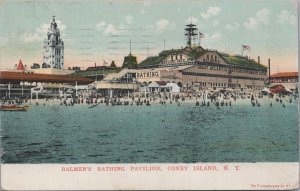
(201, 35)
(246, 47)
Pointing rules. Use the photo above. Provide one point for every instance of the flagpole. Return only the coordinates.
(200, 37)
(242, 50)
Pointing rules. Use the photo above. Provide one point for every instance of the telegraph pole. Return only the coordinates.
(129, 46)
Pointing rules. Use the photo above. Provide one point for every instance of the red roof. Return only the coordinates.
(17, 77)
(278, 88)
(20, 66)
(161, 83)
(285, 74)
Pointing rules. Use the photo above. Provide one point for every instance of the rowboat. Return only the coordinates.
(13, 108)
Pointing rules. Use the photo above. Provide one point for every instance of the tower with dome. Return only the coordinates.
(53, 54)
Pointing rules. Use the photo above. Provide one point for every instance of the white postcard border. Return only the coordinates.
(195, 176)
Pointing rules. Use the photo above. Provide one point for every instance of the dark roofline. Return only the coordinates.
(92, 68)
(260, 66)
(245, 63)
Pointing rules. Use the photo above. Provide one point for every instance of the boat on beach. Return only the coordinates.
(13, 108)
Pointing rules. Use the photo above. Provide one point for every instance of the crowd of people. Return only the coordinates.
(201, 98)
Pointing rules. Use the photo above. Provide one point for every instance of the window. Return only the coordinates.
(207, 57)
(180, 56)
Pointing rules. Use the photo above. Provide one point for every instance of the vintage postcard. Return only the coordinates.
(149, 94)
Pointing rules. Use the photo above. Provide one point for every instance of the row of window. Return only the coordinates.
(212, 84)
(284, 80)
(212, 57)
(233, 67)
(51, 56)
(225, 68)
(220, 76)
(57, 60)
(172, 62)
(212, 65)
(208, 57)
(175, 57)
(211, 61)
(54, 42)
(57, 51)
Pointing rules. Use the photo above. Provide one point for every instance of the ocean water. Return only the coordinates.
(154, 134)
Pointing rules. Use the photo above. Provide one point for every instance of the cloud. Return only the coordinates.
(111, 29)
(129, 19)
(147, 3)
(164, 24)
(100, 26)
(41, 32)
(142, 11)
(62, 27)
(262, 17)
(233, 26)
(215, 23)
(252, 23)
(286, 17)
(106, 28)
(192, 20)
(32, 37)
(43, 28)
(3, 41)
(214, 37)
(212, 11)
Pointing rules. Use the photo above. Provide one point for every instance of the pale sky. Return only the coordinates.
(94, 31)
